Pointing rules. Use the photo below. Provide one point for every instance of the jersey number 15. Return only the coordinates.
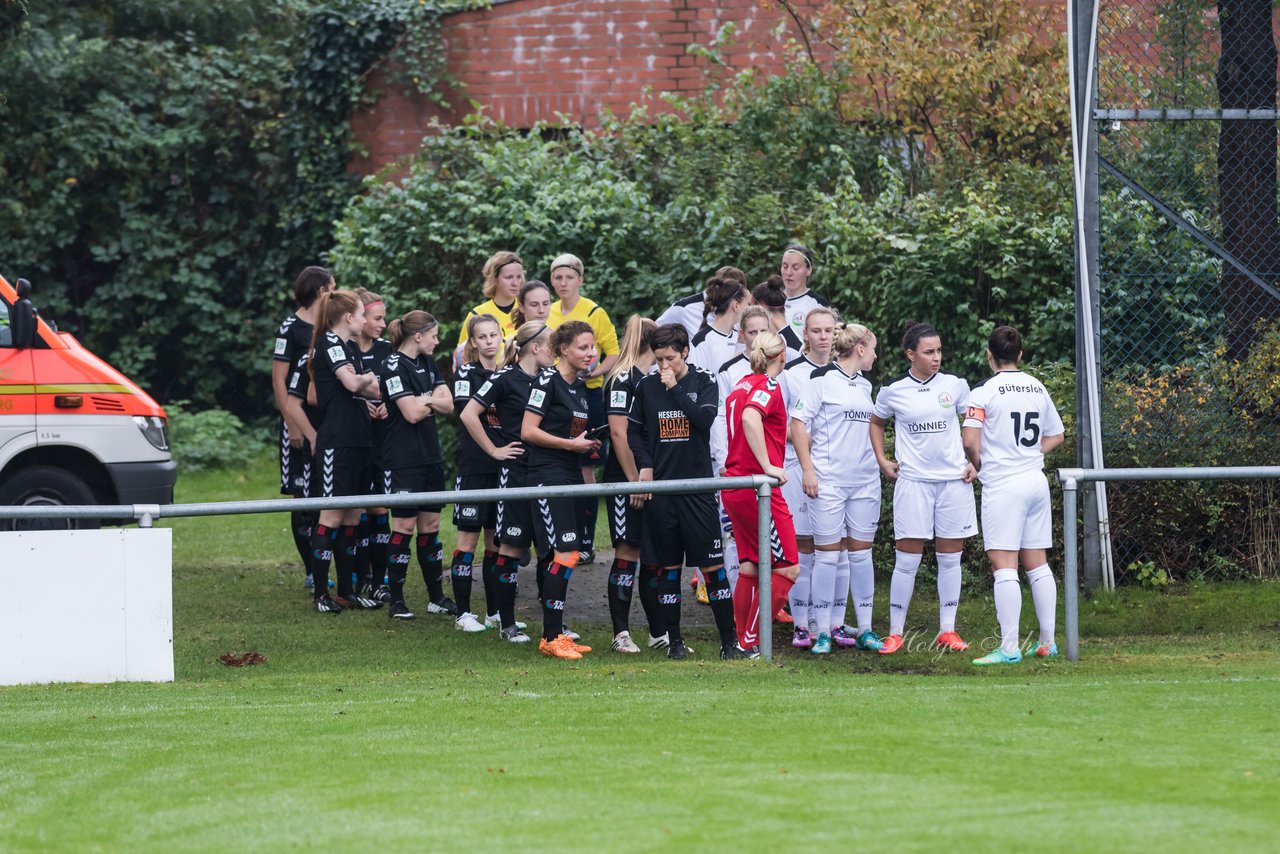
(1026, 432)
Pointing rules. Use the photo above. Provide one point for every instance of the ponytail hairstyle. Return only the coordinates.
(528, 333)
(567, 333)
(474, 322)
(635, 343)
(331, 307)
(493, 268)
(913, 331)
(721, 292)
(732, 273)
(849, 336)
(766, 348)
(771, 294)
(1005, 345)
(408, 326)
(517, 313)
(310, 283)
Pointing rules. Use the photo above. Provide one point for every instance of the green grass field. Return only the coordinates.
(358, 734)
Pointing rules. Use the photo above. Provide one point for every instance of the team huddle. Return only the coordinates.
(729, 381)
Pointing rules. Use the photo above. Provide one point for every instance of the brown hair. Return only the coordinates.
(1005, 345)
(309, 284)
(567, 333)
(517, 313)
(331, 307)
(406, 327)
(493, 268)
(720, 293)
(469, 352)
(771, 294)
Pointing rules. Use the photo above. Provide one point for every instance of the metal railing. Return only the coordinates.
(1072, 478)
(146, 514)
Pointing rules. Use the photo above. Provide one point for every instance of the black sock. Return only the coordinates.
(650, 578)
(397, 565)
(431, 560)
(345, 557)
(362, 552)
(323, 539)
(460, 575)
(489, 575)
(544, 563)
(669, 599)
(302, 524)
(554, 590)
(588, 510)
(721, 597)
(622, 579)
(379, 537)
(506, 575)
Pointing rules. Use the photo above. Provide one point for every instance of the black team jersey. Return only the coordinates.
(503, 397)
(563, 407)
(371, 363)
(408, 445)
(298, 383)
(618, 396)
(472, 459)
(293, 340)
(670, 429)
(344, 418)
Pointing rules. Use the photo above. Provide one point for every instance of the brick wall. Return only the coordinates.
(526, 61)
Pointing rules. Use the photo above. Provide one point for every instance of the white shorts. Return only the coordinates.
(1017, 513)
(845, 511)
(797, 502)
(923, 510)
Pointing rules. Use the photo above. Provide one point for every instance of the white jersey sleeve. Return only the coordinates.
(926, 420)
(1013, 410)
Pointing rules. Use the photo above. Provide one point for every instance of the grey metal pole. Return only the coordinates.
(1070, 569)
(764, 566)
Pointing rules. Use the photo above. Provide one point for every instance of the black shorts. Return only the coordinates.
(295, 466)
(682, 530)
(626, 523)
(337, 472)
(474, 516)
(428, 478)
(557, 519)
(514, 523)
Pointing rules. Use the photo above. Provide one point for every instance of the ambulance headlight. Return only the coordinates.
(155, 428)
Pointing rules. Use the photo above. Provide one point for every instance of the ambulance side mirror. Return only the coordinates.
(22, 319)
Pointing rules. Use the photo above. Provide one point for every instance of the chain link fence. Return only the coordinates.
(1188, 273)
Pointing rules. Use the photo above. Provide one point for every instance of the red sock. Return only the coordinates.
(781, 587)
(746, 610)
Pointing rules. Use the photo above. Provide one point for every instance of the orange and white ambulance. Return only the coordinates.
(73, 429)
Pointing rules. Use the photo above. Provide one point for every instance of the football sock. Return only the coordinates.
(669, 599)
(901, 587)
(746, 610)
(948, 590)
(1044, 594)
(323, 539)
(731, 561)
(822, 585)
(544, 563)
(397, 565)
(721, 599)
(363, 539)
(506, 571)
(650, 578)
(781, 590)
(862, 586)
(489, 575)
(841, 601)
(460, 575)
(431, 562)
(622, 579)
(1008, 593)
(345, 557)
(380, 537)
(554, 589)
(301, 524)
(800, 592)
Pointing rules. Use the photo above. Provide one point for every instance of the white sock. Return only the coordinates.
(948, 590)
(862, 585)
(841, 601)
(822, 589)
(799, 595)
(1008, 608)
(903, 584)
(1044, 593)
(731, 561)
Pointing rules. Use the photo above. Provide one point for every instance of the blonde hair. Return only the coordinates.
(635, 341)
(492, 269)
(849, 336)
(367, 297)
(527, 334)
(822, 309)
(767, 346)
(753, 311)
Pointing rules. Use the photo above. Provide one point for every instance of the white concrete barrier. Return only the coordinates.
(86, 606)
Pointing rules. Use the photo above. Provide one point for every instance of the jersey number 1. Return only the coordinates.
(1026, 432)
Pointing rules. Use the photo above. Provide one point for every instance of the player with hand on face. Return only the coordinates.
(1009, 426)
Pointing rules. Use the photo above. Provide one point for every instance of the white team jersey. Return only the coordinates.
(1014, 410)
(726, 377)
(689, 312)
(836, 410)
(926, 429)
(711, 348)
(799, 306)
(794, 381)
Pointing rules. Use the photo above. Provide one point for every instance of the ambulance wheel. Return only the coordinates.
(45, 485)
